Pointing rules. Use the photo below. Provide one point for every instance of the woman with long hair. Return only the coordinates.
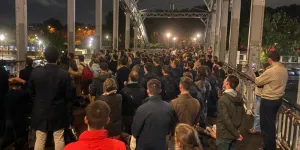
(186, 138)
(76, 76)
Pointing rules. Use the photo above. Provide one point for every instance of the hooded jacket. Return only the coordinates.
(230, 115)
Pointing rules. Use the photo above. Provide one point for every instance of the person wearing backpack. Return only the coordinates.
(230, 115)
(87, 75)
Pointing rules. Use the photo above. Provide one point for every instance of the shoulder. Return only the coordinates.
(116, 143)
(74, 145)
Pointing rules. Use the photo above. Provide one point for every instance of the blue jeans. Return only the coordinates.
(226, 144)
(256, 125)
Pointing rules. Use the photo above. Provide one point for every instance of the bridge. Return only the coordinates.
(215, 19)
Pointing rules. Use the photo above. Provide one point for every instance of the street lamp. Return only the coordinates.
(40, 43)
(174, 39)
(198, 35)
(168, 36)
(194, 39)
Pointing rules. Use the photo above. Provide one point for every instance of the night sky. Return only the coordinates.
(39, 10)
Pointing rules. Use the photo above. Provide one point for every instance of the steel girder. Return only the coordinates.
(130, 6)
(203, 16)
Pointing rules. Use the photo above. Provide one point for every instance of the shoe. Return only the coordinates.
(252, 131)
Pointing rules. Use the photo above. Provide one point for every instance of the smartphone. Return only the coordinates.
(253, 65)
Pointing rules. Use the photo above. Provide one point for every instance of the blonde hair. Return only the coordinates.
(109, 85)
(187, 137)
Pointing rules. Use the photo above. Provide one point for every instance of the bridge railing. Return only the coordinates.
(288, 117)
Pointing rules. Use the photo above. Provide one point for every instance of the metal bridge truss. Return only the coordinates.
(203, 16)
(131, 6)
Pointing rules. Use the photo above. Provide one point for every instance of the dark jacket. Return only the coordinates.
(3, 91)
(113, 66)
(141, 71)
(230, 115)
(96, 87)
(17, 109)
(132, 96)
(152, 122)
(157, 71)
(148, 76)
(176, 73)
(114, 101)
(122, 76)
(209, 64)
(25, 73)
(136, 61)
(51, 89)
(169, 88)
(187, 109)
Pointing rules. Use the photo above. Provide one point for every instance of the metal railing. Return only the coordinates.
(288, 117)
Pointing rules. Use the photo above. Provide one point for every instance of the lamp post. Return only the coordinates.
(168, 36)
(107, 38)
(2, 38)
(174, 39)
(198, 37)
(40, 43)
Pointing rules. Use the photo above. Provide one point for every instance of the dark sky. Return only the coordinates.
(39, 10)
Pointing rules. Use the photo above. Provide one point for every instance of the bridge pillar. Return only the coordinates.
(234, 32)
(71, 26)
(218, 25)
(21, 29)
(224, 24)
(127, 31)
(116, 24)
(135, 42)
(98, 24)
(298, 100)
(213, 28)
(255, 32)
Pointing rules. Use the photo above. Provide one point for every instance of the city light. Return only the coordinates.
(198, 35)
(107, 37)
(40, 42)
(168, 35)
(174, 38)
(49, 27)
(92, 39)
(2, 37)
(194, 39)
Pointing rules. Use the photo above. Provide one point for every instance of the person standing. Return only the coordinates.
(153, 120)
(186, 107)
(51, 89)
(3, 90)
(122, 73)
(25, 73)
(96, 137)
(256, 123)
(274, 81)
(230, 115)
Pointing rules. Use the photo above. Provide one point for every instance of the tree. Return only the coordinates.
(282, 32)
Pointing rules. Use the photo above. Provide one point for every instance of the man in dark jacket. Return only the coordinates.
(3, 91)
(230, 115)
(51, 89)
(132, 96)
(25, 73)
(153, 121)
(113, 64)
(122, 73)
(169, 86)
(148, 74)
(157, 67)
(142, 71)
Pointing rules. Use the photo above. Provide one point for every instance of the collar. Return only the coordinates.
(184, 95)
(132, 82)
(231, 92)
(153, 98)
(91, 135)
(274, 64)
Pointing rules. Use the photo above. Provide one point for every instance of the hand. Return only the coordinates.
(240, 138)
(254, 69)
(213, 134)
(19, 80)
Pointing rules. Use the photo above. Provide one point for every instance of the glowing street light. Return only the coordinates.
(107, 37)
(2, 37)
(168, 35)
(198, 35)
(174, 38)
(194, 39)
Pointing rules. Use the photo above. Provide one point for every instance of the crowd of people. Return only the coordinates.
(137, 100)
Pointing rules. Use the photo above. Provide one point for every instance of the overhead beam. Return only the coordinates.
(115, 24)
(224, 25)
(216, 51)
(127, 31)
